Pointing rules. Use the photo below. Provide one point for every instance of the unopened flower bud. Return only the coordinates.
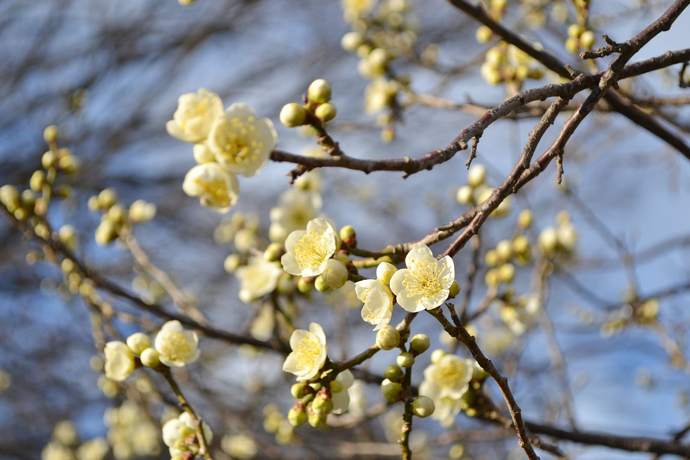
(69, 164)
(68, 236)
(405, 359)
(293, 115)
(351, 41)
(587, 39)
(419, 343)
(141, 211)
(320, 91)
(273, 252)
(305, 286)
(317, 420)
(322, 404)
(105, 233)
(348, 235)
(232, 262)
(48, 159)
(138, 342)
(548, 240)
(423, 406)
(483, 34)
(567, 236)
(297, 390)
(335, 274)
(572, 45)
(107, 198)
(476, 176)
(392, 391)
(492, 278)
(50, 134)
(117, 214)
(465, 195)
(387, 338)
(297, 416)
(506, 272)
(384, 272)
(326, 112)
(454, 289)
(504, 250)
(491, 258)
(394, 373)
(336, 386)
(525, 218)
(150, 358)
(37, 180)
(321, 285)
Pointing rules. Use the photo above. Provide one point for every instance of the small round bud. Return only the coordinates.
(105, 233)
(506, 272)
(48, 159)
(483, 34)
(320, 91)
(93, 204)
(336, 386)
(297, 416)
(343, 259)
(387, 338)
(321, 285)
(492, 278)
(587, 39)
(305, 286)
(384, 272)
(572, 45)
(574, 30)
(322, 404)
(67, 265)
(63, 191)
(107, 198)
(141, 211)
(69, 164)
(465, 195)
(394, 373)
(491, 258)
(317, 420)
(419, 343)
(405, 360)
(348, 234)
(37, 180)
(567, 237)
(521, 245)
(232, 262)
(335, 274)
(392, 391)
(138, 342)
(351, 41)
(504, 250)
(436, 355)
(326, 112)
(150, 358)
(68, 236)
(476, 176)
(297, 390)
(117, 214)
(293, 115)
(548, 240)
(454, 289)
(50, 134)
(456, 452)
(524, 218)
(423, 406)
(273, 252)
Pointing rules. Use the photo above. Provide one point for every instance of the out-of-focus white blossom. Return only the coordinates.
(294, 211)
(216, 187)
(257, 279)
(119, 361)
(195, 114)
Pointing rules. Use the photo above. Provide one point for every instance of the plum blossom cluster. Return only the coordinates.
(226, 143)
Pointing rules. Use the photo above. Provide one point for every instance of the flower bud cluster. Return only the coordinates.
(579, 38)
(116, 219)
(560, 240)
(316, 111)
(318, 399)
(509, 64)
(64, 444)
(476, 191)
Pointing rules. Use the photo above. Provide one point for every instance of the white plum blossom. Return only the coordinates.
(240, 141)
(216, 187)
(308, 251)
(378, 302)
(445, 382)
(119, 361)
(195, 114)
(257, 279)
(176, 347)
(308, 352)
(294, 211)
(179, 429)
(425, 283)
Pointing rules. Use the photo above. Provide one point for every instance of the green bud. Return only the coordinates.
(138, 342)
(69, 164)
(454, 289)
(392, 391)
(105, 233)
(37, 180)
(117, 214)
(28, 199)
(322, 404)
(297, 416)
(297, 390)
(326, 112)
(506, 273)
(419, 343)
(293, 115)
(286, 284)
(320, 91)
(394, 373)
(504, 250)
(107, 198)
(273, 252)
(405, 359)
(232, 262)
(465, 195)
(305, 286)
(93, 204)
(321, 285)
(317, 420)
(336, 387)
(476, 176)
(351, 41)
(423, 406)
(50, 134)
(524, 218)
(348, 234)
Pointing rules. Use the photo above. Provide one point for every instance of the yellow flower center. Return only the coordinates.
(448, 375)
(312, 249)
(238, 141)
(175, 346)
(308, 352)
(215, 192)
(424, 278)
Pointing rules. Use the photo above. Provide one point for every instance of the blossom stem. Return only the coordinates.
(404, 440)
(204, 451)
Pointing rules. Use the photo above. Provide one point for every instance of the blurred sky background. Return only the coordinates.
(108, 74)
